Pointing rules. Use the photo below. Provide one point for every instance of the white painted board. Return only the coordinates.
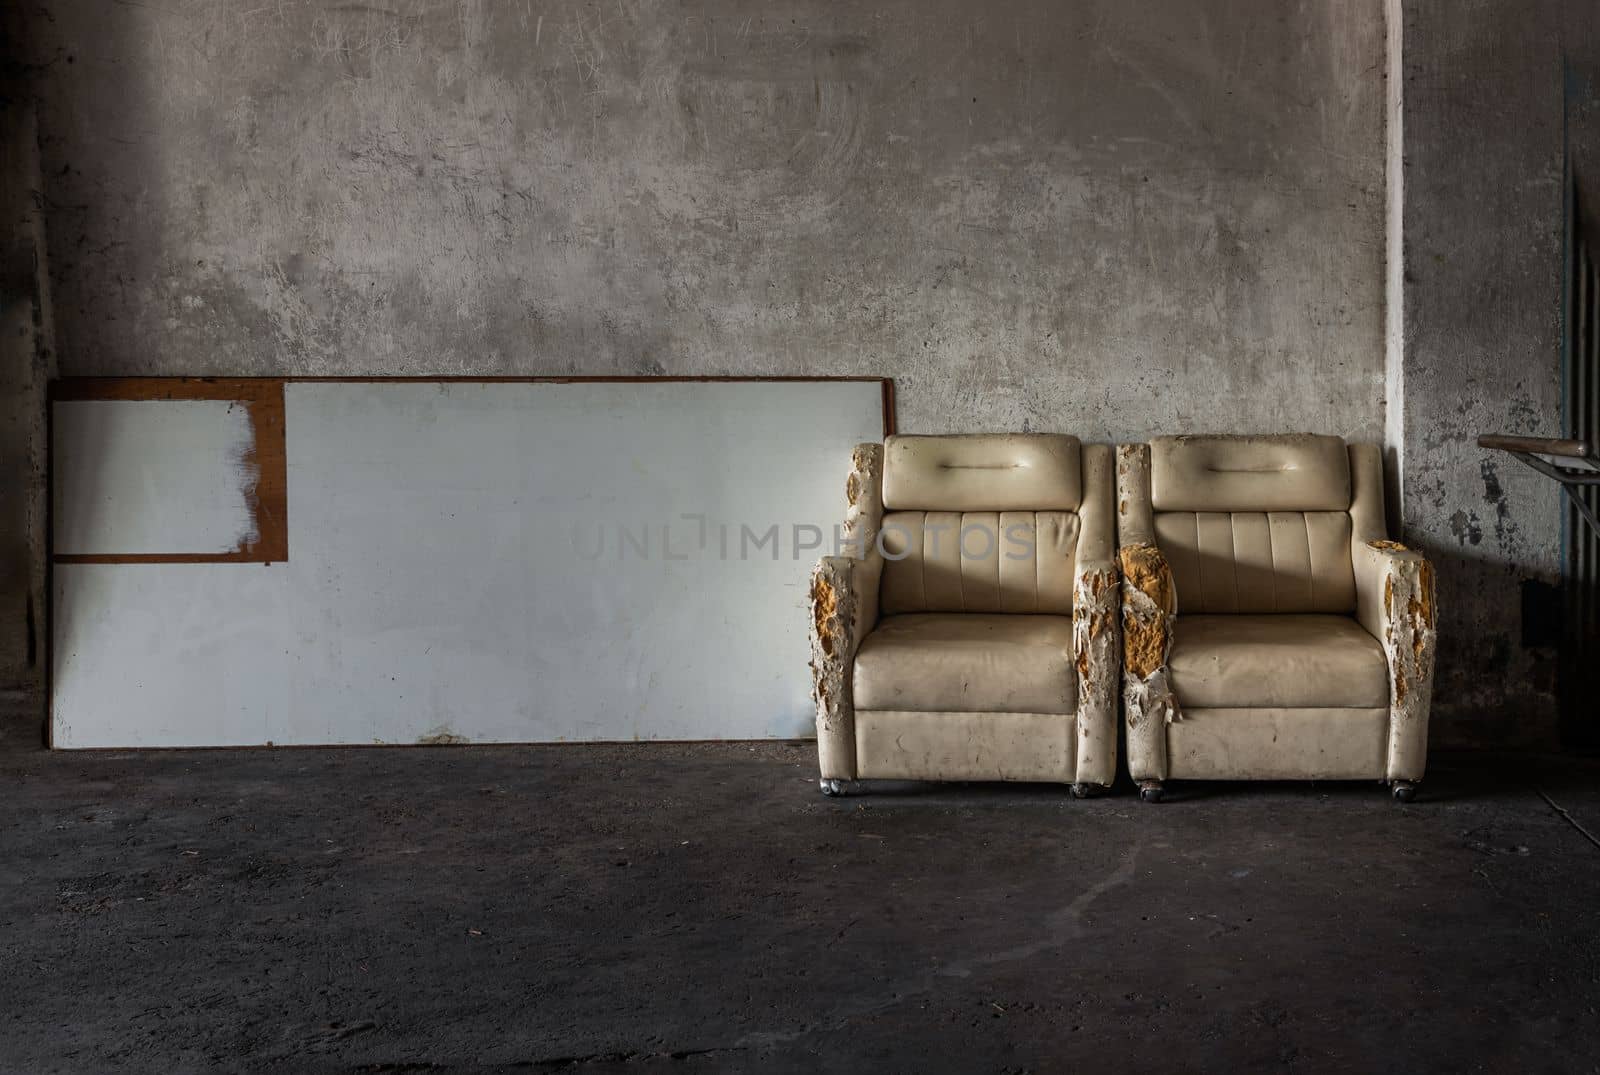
(489, 562)
(170, 655)
(151, 476)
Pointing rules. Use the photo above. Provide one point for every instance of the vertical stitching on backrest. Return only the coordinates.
(994, 548)
(1037, 559)
(1272, 559)
(1311, 564)
(1311, 569)
(1199, 560)
(961, 563)
(922, 565)
(999, 580)
(1233, 558)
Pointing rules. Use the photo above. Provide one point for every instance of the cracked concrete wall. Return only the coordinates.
(1482, 109)
(1104, 217)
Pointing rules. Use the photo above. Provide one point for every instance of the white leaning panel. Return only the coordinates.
(151, 476)
(169, 655)
(465, 564)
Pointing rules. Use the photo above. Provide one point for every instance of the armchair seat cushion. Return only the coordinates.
(941, 662)
(1277, 661)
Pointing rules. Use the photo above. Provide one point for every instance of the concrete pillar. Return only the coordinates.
(1474, 343)
(27, 362)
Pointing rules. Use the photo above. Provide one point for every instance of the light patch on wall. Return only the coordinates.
(135, 477)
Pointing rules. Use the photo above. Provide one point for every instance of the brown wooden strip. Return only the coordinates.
(263, 396)
(267, 498)
(1567, 449)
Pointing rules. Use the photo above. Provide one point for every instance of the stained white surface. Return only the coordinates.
(443, 581)
(151, 476)
(170, 655)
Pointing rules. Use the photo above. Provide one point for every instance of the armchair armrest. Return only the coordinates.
(1096, 645)
(1149, 610)
(844, 607)
(1395, 603)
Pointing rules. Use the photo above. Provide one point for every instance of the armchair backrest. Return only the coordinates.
(1262, 524)
(990, 523)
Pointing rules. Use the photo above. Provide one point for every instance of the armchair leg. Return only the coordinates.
(832, 787)
(1404, 790)
(1150, 790)
(1084, 790)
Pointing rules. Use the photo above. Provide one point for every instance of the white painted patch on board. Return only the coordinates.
(442, 584)
(169, 655)
(152, 476)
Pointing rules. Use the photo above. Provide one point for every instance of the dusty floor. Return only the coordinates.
(703, 908)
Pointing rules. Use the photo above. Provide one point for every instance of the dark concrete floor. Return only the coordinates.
(703, 908)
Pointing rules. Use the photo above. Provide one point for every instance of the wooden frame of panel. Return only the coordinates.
(267, 498)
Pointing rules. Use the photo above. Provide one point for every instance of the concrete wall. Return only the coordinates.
(27, 362)
(1482, 117)
(1109, 217)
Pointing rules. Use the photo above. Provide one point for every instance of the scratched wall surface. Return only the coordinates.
(1108, 217)
(1483, 122)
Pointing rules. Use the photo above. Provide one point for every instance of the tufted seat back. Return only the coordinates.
(1255, 524)
(983, 524)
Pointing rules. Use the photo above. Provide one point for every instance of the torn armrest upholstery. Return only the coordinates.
(1276, 541)
(996, 655)
(1395, 603)
(1095, 645)
(844, 607)
(1149, 609)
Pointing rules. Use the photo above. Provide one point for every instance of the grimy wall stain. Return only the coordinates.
(1483, 126)
(1106, 217)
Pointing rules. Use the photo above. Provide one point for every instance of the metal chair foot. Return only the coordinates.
(833, 787)
(1084, 790)
(1404, 790)
(1150, 790)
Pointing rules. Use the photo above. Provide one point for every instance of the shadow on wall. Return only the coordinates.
(1499, 655)
(27, 362)
(97, 93)
(47, 235)
(1486, 693)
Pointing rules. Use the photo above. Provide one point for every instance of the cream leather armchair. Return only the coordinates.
(1271, 629)
(972, 632)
